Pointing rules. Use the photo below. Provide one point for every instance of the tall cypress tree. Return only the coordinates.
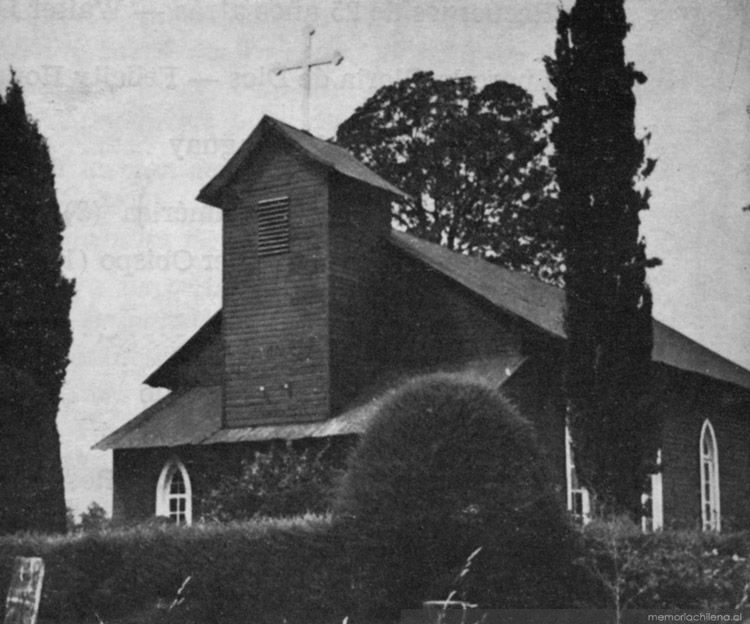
(35, 332)
(600, 166)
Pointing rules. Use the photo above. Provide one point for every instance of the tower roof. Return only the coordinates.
(327, 154)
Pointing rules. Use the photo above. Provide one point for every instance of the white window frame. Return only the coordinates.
(574, 490)
(655, 521)
(709, 478)
(164, 495)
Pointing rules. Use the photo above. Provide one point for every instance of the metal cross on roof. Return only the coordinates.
(306, 65)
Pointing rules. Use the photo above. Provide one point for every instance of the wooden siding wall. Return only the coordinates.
(424, 319)
(136, 471)
(202, 369)
(687, 401)
(136, 474)
(359, 223)
(536, 390)
(275, 324)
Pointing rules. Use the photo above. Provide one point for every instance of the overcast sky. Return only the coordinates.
(142, 103)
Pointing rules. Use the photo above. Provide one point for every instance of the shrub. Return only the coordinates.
(281, 481)
(666, 570)
(267, 571)
(447, 466)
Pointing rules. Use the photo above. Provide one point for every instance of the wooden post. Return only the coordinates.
(25, 591)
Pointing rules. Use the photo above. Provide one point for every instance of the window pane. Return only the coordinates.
(177, 485)
(577, 503)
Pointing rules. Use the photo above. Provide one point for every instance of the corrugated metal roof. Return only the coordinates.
(525, 297)
(181, 417)
(325, 153)
(194, 417)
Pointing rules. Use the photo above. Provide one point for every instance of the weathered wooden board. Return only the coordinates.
(25, 591)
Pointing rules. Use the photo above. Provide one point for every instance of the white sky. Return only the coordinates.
(143, 102)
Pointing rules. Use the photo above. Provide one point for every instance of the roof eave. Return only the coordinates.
(109, 442)
(211, 193)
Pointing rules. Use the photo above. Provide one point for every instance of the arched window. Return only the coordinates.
(579, 500)
(174, 495)
(709, 463)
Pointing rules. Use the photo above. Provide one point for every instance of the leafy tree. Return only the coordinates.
(473, 161)
(599, 164)
(35, 334)
(94, 518)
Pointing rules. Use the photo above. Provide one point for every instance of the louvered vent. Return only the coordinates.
(273, 226)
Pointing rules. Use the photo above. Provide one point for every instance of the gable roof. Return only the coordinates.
(322, 152)
(514, 292)
(163, 376)
(523, 296)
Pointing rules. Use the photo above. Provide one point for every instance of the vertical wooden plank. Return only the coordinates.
(25, 591)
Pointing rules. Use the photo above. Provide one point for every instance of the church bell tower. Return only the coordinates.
(303, 223)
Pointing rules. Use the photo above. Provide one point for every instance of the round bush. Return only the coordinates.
(448, 466)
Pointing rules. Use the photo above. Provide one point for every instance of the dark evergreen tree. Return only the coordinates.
(600, 167)
(35, 333)
(474, 163)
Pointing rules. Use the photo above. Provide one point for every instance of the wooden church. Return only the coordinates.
(325, 307)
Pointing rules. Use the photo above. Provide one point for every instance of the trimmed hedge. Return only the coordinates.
(448, 466)
(295, 570)
(669, 569)
(262, 571)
